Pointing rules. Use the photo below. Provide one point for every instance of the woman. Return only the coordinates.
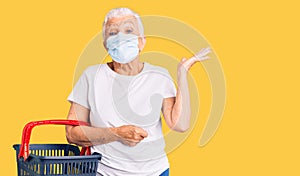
(123, 99)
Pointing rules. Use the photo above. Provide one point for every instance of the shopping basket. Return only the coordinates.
(54, 159)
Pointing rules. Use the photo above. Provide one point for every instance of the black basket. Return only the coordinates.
(53, 159)
(56, 159)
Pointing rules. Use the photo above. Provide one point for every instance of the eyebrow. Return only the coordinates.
(111, 27)
(129, 23)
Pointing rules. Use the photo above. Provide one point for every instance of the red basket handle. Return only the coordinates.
(24, 149)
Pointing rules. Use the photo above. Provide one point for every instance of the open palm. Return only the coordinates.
(186, 64)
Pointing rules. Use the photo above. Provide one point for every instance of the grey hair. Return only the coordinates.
(120, 12)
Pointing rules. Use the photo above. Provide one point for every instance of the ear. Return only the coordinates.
(142, 43)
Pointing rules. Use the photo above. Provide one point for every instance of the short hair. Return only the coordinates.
(120, 12)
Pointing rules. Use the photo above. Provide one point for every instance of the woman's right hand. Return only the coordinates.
(129, 134)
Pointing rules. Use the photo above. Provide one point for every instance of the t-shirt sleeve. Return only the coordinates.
(169, 89)
(79, 93)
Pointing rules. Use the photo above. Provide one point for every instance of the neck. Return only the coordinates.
(130, 69)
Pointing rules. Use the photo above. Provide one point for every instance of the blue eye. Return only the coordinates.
(112, 33)
(128, 31)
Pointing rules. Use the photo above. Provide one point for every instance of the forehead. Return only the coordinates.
(117, 21)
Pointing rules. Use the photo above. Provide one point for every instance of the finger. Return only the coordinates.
(130, 143)
(183, 59)
(207, 49)
(138, 137)
(141, 132)
(203, 52)
(199, 55)
(132, 139)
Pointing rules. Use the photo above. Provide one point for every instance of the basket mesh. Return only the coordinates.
(56, 159)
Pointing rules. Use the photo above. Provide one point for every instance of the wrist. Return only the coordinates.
(114, 132)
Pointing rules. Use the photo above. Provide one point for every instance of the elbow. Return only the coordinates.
(69, 137)
(180, 128)
(181, 122)
(73, 138)
(181, 125)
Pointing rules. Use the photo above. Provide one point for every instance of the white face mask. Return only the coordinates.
(123, 48)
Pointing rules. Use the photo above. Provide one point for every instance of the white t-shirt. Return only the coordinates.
(115, 100)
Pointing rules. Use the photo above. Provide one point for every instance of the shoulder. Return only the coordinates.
(90, 70)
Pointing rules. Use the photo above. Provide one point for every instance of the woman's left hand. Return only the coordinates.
(177, 111)
(186, 64)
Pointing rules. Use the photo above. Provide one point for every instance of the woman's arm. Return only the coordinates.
(177, 110)
(87, 136)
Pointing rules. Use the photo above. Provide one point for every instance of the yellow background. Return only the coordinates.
(257, 44)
